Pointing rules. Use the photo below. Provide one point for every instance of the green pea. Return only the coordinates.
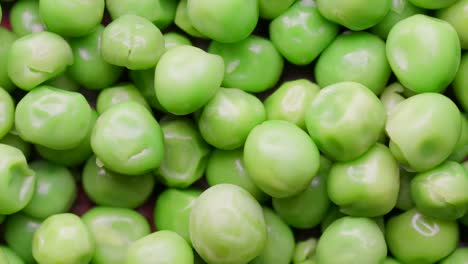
(227, 166)
(121, 93)
(351, 240)
(11, 256)
(305, 251)
(114, 230)
(14, 140)
(308, 208)
(457, 15)
(279, 247)
(64, 82)
(361, 58)
(108, 188)
(179, 87)
(144, 82)
(301, 33)
(280, 158)
(290, 101)
(25, 18)
(227, 119)
(127, 139)
(174, 39)
(36, 58)
(399, 10)
(159, 12)
(159, 248)
(7, 112)
(71, 18)
(422, 137)
(460, 84)
(63, 238)
(414, 48)
(389, 260)
(19, 232)
(3, 257)
(172, 211)
(53, 118)
(271, 9)
(220, 212)
(461, 149)
(392, 96)
(132, 41)
(459, 256)
(334, 120)
(253, 64)
(331, 216)
(183, 21)
(433, 4)
(89, 68)
(7, 38)
(357, 14)
(226, 21)
(74, 156)
(415, 238)
(405, 201)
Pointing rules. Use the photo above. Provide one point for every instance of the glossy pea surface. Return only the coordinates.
(457, 15)
(25, 18)
(7, 112)
(19, 232)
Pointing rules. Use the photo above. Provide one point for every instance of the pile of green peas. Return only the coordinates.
(234, 131)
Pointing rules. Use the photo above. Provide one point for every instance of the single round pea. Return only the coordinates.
(74, 156)
(460, 84)
(7, 112)
(159, 248)
(89, 68)
(12, 139)
(433, 4)
(11, 256)
(25, 18)
(186, 78)
(63, 238)
(227, 166)
(271, 9)
(399, 10)
(367, 186)
(53, 117)
(64, 82)
(404, 201)
(279, 247)
(36, 58)
(301, 33)
(108, 188)
(290, 101)
(412, 59)
(305, 251)
(6, 41)
(226, 21)
(71, 18)
(17, 180)
(220, 212)
(227, 119)
(172, 211)
(253, 64)
(308, 208)
(351, 240)
(144, 82)
(361, 58)
(280, 158)
(459, 256)
(334, 120)
(183, 21)
(19, 232)
(424, 130)
(174, 39)
(132, 41)
(114, 230)
(357, 14)
(415, 238)
(127, 139)
(121, 93)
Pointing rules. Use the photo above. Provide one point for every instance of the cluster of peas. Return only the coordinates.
(371, 153)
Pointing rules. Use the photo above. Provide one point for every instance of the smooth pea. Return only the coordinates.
(356, 14)
(305, 251)
(253, 64)
(279, 247)
(7, 38)
(334, 120)
(89, 68)
(25, 18)
(301, 38)
(7, 112)
(461, 149)
(11, 256)
(179, 87)
(389, 260)
(144, 82)
(174, 39)
(459, 256)
(63, 238)
(414, 48)
(36, 58)
(53, 118)
(271, 9)
(172, 211)
(460, 84)
(132, 41)
(64, 82)
(108, 188)
(361, 58)
(422, 137)
(127, 139)
(415, 238)
(227, 119)
(159, 248)
(114, 230)
(121, 93)
(457, 15)
(404, 201)
(351, 240)
(433, 4)
(280, 158)
(219, 212)
(12, 139)
(226, 21)
(183, 21)
(19, 231)
(291, 100)
(227, 166)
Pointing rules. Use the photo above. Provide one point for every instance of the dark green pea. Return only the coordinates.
(332, 214)
(6, 41)
(405, 202)
(461, 149)
(19, 231)
(144, 81)
(14, 140)
(25, 18)
(119, 94)
(460, 84)
(7, 112)
(64, 82)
